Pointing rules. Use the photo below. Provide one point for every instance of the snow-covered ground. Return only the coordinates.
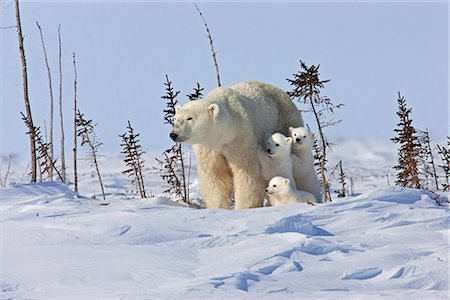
(383, 242)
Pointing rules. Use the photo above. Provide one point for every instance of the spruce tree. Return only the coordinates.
(306, 88)
(410, 148)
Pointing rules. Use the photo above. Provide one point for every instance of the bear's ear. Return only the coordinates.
(289, 140)
(177, 108)
(213, 109)
(291, 128)
(286, 181)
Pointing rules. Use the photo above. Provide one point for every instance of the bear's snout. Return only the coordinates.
(297, 140)
(267, 190)
(173, 136)
(268, 151)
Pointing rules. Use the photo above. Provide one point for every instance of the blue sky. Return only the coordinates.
(368, 50)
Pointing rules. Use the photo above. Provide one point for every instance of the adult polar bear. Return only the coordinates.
(225, 129)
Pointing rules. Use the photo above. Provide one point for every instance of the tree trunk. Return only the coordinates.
(31, 128)
(63, 156)
(75, 174)
(50, 175)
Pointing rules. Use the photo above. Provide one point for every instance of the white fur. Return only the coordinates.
(225, 129)
(275, 157)
(281, 191)
(303, 161)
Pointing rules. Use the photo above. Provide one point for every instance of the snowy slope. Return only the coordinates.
(385, 242)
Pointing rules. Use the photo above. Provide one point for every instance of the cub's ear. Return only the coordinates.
(314, 135)
(286, 181)
(213, 109)
(289, 140)
(177, 108)
(290, 129)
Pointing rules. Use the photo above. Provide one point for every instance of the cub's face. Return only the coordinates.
(302, 136)
(278, 185)
(278, 144)
(192, 122)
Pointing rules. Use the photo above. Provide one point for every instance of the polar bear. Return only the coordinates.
(275, 159)
(225, 128)
(281, 191)
(303, 161)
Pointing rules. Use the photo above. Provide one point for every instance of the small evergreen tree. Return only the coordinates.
(133, 159)
(445, 166)
(409, 151)
(306, 87)
(196, 94)
(426, 158)
(342, 176)
(85, 130)
(47, 164)
(172, 167)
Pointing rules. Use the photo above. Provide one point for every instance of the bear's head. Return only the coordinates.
(278, 186)
(278, 145)
(199, 122)
(302, 136)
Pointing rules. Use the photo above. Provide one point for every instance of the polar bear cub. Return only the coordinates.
(275, 159)
(281, 192)
(303, 161)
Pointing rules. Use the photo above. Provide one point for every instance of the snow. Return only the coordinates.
(384, 242)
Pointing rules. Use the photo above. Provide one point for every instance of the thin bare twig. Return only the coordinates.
(4, 181)
(212, 46)
(63, 152)
(51, 98)
(8, 27)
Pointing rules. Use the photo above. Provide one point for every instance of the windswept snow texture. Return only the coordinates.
(385, 243)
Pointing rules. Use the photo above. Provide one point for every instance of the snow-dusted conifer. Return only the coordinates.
(409, 151)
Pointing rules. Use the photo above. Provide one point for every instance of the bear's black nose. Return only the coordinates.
(173, 136)
(267, 190)
(297, 140)
(268, 151)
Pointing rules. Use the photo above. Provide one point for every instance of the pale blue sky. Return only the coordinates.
(368, 50)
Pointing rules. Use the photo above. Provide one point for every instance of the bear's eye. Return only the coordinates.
(277, 145)
(189, 119)
(274, 185)
(304, 136)
(295, 134)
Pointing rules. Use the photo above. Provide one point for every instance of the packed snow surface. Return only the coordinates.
(384, 242)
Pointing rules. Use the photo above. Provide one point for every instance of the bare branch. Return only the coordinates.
(4, 181)
(51, 98)
(8, 27)
(213, 52)
(63, 153)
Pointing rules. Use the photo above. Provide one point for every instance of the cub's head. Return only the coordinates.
(278, 185)
(278, 144)
(193, 122)
(302, 136)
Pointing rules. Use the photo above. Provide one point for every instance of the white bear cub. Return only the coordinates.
(281, 192)
(303, 161)
(275, 159)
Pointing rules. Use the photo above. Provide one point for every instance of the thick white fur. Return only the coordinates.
(303, 161)
(275, 158)
(225, 129)
(281, 191)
